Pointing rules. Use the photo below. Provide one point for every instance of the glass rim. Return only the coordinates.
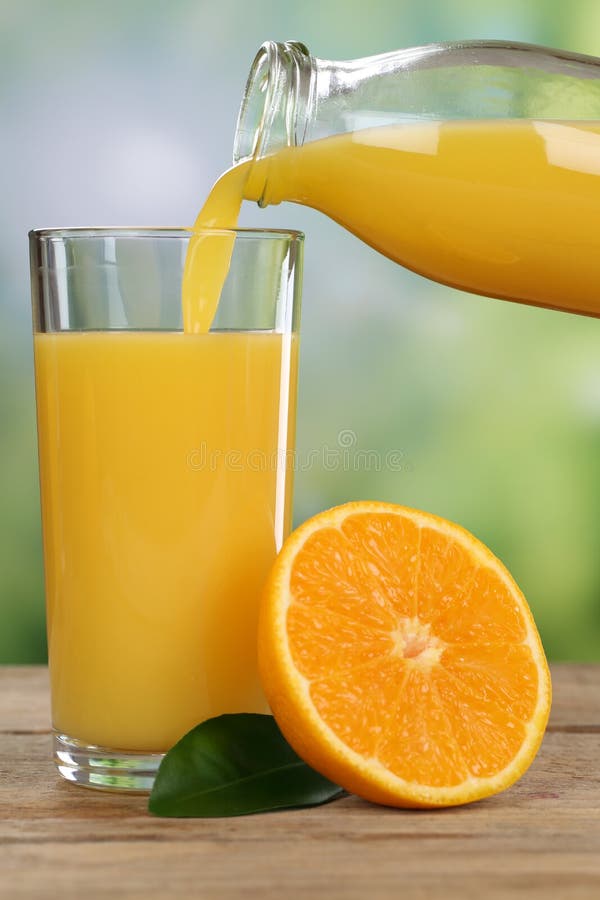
(291, 235)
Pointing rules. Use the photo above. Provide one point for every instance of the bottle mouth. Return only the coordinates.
(275, 100)
(258, 97)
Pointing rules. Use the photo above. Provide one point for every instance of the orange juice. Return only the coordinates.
(156, 547)
(507, 208)
(165, 499)
(504, 208)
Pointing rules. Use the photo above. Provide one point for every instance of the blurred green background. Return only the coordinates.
(123, 113)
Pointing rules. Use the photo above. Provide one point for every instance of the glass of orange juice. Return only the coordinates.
(166, 463)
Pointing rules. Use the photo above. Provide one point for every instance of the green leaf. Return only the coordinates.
(234, 765)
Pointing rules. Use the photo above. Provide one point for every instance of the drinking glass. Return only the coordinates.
(166, 463)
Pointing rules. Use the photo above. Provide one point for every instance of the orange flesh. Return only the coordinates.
(415, 653)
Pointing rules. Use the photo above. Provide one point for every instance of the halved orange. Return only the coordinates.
(400, 659)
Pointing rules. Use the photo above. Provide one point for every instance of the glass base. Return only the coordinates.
(104, 769)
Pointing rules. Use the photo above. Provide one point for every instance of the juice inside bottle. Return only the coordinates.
(506, 208)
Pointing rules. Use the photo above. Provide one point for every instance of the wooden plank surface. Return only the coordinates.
(539, 839)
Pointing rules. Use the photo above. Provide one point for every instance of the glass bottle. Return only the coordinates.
(474, 163)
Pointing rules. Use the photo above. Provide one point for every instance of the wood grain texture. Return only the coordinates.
(539, 839)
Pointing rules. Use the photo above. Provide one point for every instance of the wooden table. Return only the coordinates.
(539, 839)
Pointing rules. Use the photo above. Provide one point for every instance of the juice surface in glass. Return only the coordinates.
(165, 498)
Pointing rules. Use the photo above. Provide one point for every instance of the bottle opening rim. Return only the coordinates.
(256, 102)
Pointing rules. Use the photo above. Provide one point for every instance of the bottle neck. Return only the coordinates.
(277, 103)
